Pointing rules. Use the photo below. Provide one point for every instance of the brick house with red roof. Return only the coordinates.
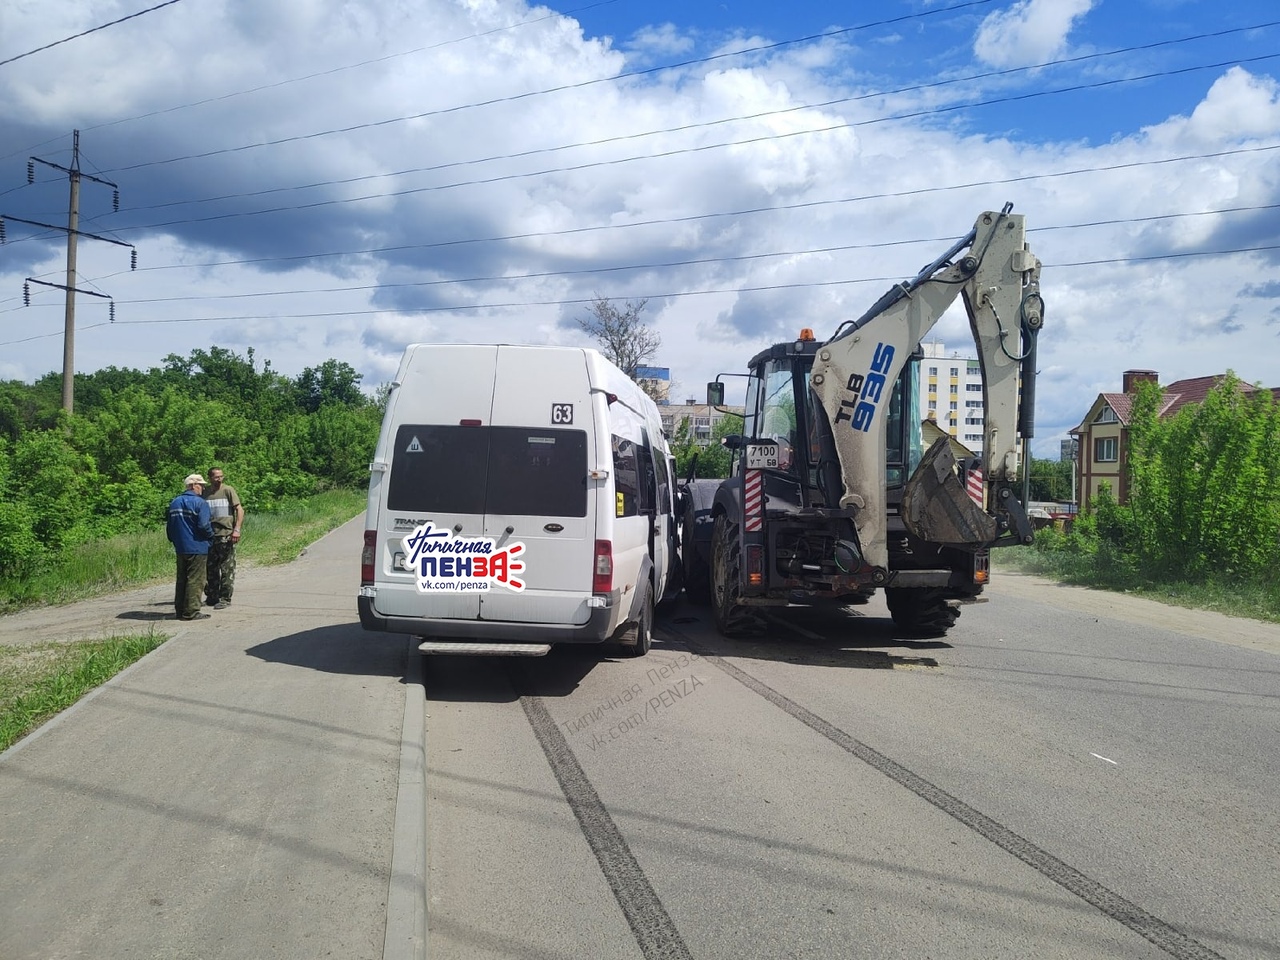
(1103, 434)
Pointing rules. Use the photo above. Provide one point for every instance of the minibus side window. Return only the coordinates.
(626, 473)
(648, 480)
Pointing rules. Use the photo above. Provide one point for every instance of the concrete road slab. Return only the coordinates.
(231, 795)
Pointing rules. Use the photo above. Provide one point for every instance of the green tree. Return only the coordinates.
(112, 466)
(714, 459)
(1051, 479)
(1204, 485)
(333, 382)
(20, 547)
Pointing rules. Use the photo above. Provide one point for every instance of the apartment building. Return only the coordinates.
(951, 394)
(702, 418)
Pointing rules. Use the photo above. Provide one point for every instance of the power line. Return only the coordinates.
(325, 73)
(705, 147)
(702, 148)
(673, 294)
(85, 33)
(685, 128)
(671, 264)
(750, 211)
(667, 295)
(557, 89)
(780, 208)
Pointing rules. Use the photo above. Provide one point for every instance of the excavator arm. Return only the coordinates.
(998, 277)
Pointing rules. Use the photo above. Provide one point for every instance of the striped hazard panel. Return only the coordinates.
(753, 508)
(974, 484)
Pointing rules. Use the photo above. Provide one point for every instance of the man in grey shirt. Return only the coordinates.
(226, 514)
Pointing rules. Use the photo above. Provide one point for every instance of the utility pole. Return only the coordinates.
(73, 234)
(69, 327)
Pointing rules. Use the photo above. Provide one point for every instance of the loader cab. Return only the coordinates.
(780, 408)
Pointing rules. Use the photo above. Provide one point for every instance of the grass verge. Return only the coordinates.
(1251, 601)
(40, 680)
(138, 559)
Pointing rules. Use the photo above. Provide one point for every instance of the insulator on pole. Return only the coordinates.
(133, 258)
(26, 294)
(31, 171)
(1, 229)
(112, 305)
(115, 201)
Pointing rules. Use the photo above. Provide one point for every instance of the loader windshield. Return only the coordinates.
(904, 433)
(779, 412)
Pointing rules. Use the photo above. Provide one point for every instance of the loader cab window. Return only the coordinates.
(778, 413)
(904, 433)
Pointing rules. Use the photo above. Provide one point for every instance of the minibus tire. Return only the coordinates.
(638, 638)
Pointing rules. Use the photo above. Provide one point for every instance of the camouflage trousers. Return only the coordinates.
(189, 585)
(222, 570)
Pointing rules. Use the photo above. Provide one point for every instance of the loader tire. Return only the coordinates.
(732, 618)
(921, 611)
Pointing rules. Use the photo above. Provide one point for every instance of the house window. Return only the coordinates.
(1106, 449)
(1106, 415)
(973, 387)
(933, 371)
(955, 389)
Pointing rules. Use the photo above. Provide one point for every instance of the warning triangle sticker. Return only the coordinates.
(414, 446)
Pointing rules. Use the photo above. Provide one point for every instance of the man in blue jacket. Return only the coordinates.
(190, 532)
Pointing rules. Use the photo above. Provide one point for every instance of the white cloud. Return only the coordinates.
(494, 218)
(1030, 31)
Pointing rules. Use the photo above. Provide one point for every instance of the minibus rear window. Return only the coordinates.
(510, 471)
(438, 469)
(540, 473)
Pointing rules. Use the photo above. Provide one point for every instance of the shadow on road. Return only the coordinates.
(814, 636)
(148, 614)
(507, 679)
(345, 648)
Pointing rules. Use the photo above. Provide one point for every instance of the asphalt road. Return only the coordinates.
(232, 795)
(1069, 774)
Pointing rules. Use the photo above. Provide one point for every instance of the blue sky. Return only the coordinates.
(337, 178)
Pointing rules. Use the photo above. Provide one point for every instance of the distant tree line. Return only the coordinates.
(113, 465)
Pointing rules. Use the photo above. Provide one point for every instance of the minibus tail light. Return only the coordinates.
(602, 579)
(367, 554)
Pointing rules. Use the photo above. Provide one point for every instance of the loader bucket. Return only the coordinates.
(937, 509)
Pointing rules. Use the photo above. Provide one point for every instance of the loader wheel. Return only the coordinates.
(697, 577)
(922, 611)
(732, 618)
(638, 638)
